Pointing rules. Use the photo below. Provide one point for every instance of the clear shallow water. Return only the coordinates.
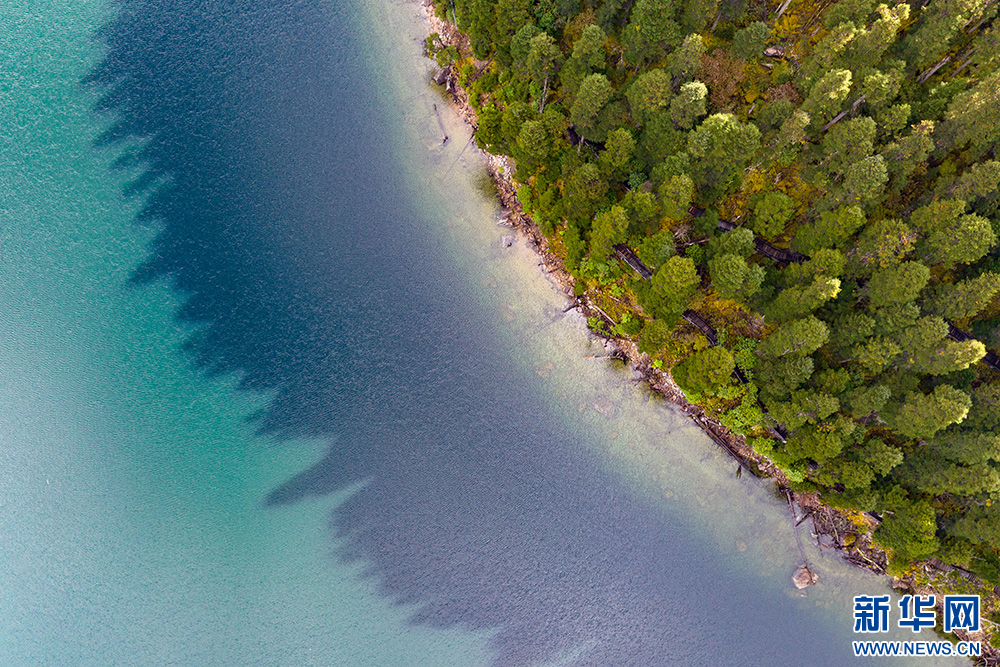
(388, 448)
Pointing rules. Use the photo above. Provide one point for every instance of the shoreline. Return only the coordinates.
(848, 533)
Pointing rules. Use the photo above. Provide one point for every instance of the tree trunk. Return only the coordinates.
(929, 73)
(781, 10)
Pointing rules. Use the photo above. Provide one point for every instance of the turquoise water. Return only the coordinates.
(274, 392)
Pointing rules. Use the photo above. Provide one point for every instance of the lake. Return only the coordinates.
(275, 392)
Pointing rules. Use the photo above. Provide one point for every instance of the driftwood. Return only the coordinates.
(444, 134)
(803, 577)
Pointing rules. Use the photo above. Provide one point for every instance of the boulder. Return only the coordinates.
(804, 577)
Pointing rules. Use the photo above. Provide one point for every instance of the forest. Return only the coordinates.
(857, 136)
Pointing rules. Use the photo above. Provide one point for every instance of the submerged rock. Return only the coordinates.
(804, 577)
(604, 406)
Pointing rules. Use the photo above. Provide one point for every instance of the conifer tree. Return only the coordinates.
(733, 278)
(651, 31)
(649, 93)
(923, 415)
(966, 298)
(827, 95)
(689, 105)
(705, 371)
(897, 284)
(797, 338)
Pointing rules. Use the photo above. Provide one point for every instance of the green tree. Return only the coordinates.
(609, 228)
(789, 139)
(972, 116)
(923, 415)
(880, 88)
(648, 93)
(618, 152)
(477, 18)
(780, 376)
(830, 230)
(657, 249)
(722, 146)
(881, 244)
(533, 141)
(799, 300)
(892, 119)
(876, 353)
(880, 457)
(904, 156)
(827, 95)
(969, 447)
(520, 45)
(771, 214)
(675, 283)
(949, 236)
(686, 59)
(985, 412)
(595, 92)
(704, 372)
(868, 47)
(980, 525)
(737, 242)
(939, 24)
(651, 31)
(865, 180)
(543, 63)
(588, 56)
(846, 143)
(583, 194)
(979, 180)
(908, 530)
(748, 43)
(676, 195)
(853, 11)
(930, 473)
(923, 333)
(733, 278)
(689, 105)
(660, 142)
(642, 210)
(804, 406)
(826, 262)
(772, 114)
(948, 356)
(655, 336)
(799, 337)
(818, 441)
(828, 52)
(895, 317)
(966, 298)
(895, 284)
(864, 401)
(850, 328)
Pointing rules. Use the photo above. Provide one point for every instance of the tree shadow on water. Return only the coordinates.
(282, 218)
